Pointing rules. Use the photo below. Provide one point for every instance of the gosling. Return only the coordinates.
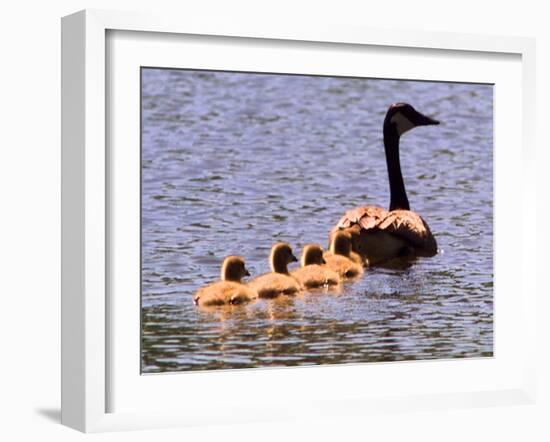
(230, 290)
(339, 258)
(278, 281)
(313, 274)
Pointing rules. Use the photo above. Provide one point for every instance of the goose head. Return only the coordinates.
(312, 254)
(233, 269)
(341, 243)
(402, 117)
(280, 256)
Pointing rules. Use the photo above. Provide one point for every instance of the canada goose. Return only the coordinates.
(378, 234)
(229, 290)
(279, 281)
(338, 257)
(312, 273)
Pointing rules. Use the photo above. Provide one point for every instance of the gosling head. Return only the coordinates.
(233, 269)
(281, 255)
(341, 243)
(402, 117)
(312, 254)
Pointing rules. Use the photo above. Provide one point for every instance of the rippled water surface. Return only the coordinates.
(232, 162)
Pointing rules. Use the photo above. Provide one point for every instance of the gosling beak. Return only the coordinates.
(246, 272)
(323, 261)
(293, 258)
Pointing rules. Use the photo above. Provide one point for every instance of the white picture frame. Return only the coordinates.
(86, 315)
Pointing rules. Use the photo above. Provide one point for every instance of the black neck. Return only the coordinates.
(398, 194)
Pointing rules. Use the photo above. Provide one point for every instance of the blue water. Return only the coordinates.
(232, 162)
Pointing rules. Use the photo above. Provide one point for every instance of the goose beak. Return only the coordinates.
(423, 120)
(323, 261)
(293, 258)
(246, 272)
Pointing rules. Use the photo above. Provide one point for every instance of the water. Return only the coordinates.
(233, 162)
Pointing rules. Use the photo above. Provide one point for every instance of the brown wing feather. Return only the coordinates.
(411, 227)
(403, 224)
(367, 217)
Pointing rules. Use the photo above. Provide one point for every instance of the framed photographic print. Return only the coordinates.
(291, 222)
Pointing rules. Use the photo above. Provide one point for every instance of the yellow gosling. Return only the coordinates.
(313, 274)
(230, 290)
(338, 258)
(278, 281)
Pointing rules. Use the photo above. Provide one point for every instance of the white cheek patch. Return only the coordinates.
(402, 123)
